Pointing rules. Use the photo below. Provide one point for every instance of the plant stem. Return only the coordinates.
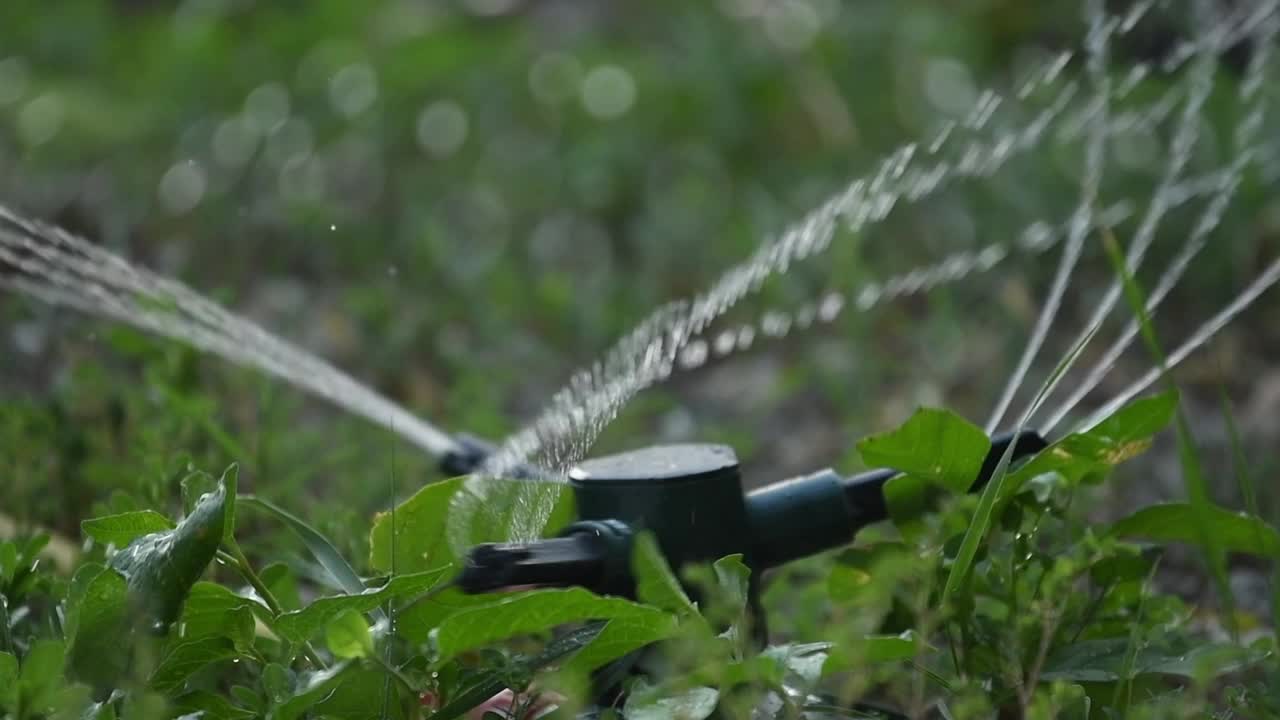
(241, 564)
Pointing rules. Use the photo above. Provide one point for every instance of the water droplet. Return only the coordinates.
(353, 89)
(442, 128)
(608, 92)
(182, 187)
(333, 228)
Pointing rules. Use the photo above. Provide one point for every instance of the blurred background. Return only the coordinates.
(462, 202)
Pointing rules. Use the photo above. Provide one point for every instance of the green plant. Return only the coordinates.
(1056, 616)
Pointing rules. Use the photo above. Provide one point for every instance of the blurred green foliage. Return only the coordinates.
(462, 201)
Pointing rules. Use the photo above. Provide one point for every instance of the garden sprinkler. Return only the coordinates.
(690, 497)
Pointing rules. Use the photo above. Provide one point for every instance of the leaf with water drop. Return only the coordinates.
(162, 567)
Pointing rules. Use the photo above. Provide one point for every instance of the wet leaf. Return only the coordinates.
(1176, 522)
(300, 625)
(215, 611)
(317, 544)
(934, 445)
(421, 523)
(185, 658)
(656, 584)
(161, 567)
(8, 681)
(538, 611)
(120, 530)
(485, 510)
(99, 630)
(660, 704)
(40, 678)
(347, 635)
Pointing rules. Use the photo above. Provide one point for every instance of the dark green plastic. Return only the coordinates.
(797, 518)
(689, 496)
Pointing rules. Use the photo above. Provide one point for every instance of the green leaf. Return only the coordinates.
(98, 628)
(41, 677)
(347, 635)
(491, 682)
(120, 530)
(538, 611)
(210, 706)
(8, 681)
(934, 445)
(215, 611)
(802, 662)
(282, 583)
(656, 584)
(199, 484)
(185, 658)
(312, 689)
(318, 545)
(484, 510)
(360, 696)
(300, 625)
(1120, 437)
(420, 533)
(162, 567)
(659, 703)
(874, 650)
(1175, 522)
(1104, 660)
(733, 578)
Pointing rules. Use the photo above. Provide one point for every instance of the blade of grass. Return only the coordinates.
(995, 486)
(1188, 454)
(321, 549)
(1244, 478)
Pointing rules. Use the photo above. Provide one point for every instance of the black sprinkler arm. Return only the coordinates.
(690, 497)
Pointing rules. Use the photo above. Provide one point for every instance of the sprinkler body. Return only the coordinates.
(690, 498)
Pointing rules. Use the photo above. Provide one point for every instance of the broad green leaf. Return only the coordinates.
(934, 445)
(278, 682)
(620, 636)
(908, 498)
(99, 629)
(198, 484)
(347, 635)
(312, 688)
(420, 531)
(659, 703)
(803, 662)
(120, 530)
(282, 583)
(486, 510)
(8, 681)
(162, 567)
(1120, 437)
(733, 578)
(1175, 522)
(185, 658)
(873, 650)
(416, 621)
(317, 544)
(361, 696)
(300, 625)
(213, 610)
(41, 676)
(8, 562)
(491, 682)
(538, 611)
(210, 706)
(1104, 660)
(656, 584)
(892, 648)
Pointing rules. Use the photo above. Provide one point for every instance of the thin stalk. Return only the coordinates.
(1192, 468)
